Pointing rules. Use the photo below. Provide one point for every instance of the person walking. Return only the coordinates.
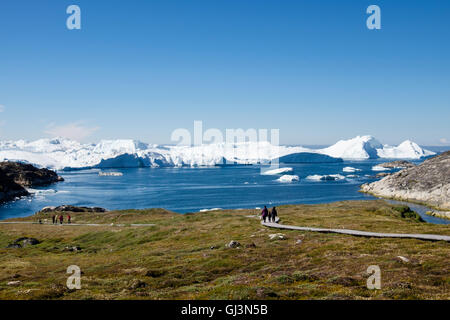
(53, 219)
(68, 219)
(264, 213)
(273, 214)
(61, 219)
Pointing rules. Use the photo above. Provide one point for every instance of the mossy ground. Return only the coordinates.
(184, 256)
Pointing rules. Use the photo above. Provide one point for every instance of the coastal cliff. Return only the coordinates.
(14, 177)
(428, 183)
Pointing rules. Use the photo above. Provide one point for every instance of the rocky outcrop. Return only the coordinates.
(23, 242)
(27, 175)
(14, 177)
(398, 164)
(428, 183)
(9, 189)
(66, 208)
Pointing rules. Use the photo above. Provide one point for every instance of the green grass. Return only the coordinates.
(184, 256)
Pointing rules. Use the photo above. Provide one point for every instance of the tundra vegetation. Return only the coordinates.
(186, 257)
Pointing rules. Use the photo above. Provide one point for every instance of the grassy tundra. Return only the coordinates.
(184, 256)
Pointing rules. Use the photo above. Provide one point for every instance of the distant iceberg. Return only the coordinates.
(277, 171)
(288, 178)
(62, 153)
(367, 147)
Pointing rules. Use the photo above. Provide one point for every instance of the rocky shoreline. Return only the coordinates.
(15, 177)
(427, 183)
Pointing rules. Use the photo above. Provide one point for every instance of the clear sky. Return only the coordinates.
(140, 69)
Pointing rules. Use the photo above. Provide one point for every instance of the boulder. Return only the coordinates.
(23, 242)
(233, 244)
(277, 236)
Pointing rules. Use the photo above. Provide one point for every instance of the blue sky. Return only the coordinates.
(140, 69)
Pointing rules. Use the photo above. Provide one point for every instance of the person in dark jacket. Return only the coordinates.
(61, 219)
(273, 214)
(264, 213)
(53, 219)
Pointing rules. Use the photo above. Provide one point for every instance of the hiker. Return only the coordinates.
(264, 213)
(273, 214)
(68, 218)
(53, 219)
(61, 219)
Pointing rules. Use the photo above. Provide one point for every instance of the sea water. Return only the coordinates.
(193, 189)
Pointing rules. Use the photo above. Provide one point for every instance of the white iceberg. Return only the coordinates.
(327, 177)
(350, 169)
(62, 153)
(277, 171)
(288, 178)
(405, 150)
(380, 168)
(367, 147)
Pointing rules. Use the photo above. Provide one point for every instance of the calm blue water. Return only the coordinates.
(192, 189)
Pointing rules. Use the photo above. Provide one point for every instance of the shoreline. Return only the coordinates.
(442, 212)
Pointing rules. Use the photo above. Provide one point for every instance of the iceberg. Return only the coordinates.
(380, 168)
(350, 169)
(367, 147)
(288, 178)
(328, 177)
(60, 153)
(405, 150)
(277, 171)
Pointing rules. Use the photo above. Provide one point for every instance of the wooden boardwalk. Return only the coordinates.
(432, 237)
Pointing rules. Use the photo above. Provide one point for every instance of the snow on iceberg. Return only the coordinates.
(288, 178)
(367, 147)
(277, 171)
(405, 150)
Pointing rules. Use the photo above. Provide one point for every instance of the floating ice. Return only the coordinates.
(288, 178)
(380, 168)
(328, 177)
(350, 169)
(277, 171)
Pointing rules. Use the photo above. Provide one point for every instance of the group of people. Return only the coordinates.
(55, 219)
(272, 215)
